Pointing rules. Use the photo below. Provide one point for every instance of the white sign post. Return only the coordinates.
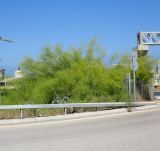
(134, 67)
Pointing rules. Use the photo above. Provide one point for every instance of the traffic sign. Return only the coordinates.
(134, 55)
(134, 65)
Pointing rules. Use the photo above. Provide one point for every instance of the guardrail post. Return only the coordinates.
(65, 111)
(21, 114)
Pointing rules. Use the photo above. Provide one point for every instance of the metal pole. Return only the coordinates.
(134, 84)
(134, 68)
(129, 84)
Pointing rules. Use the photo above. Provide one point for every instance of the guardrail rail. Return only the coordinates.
(72, 105)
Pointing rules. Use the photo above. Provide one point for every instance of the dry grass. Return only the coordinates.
(15, 114)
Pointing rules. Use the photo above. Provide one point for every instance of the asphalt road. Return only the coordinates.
(127, 132)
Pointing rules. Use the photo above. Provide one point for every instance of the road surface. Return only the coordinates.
(125, 132)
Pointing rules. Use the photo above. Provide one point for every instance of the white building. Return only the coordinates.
(18, 74)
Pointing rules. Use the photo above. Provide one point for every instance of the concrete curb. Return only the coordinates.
(76, 115)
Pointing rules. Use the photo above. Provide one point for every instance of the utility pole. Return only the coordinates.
(129, 84)
(134, 66)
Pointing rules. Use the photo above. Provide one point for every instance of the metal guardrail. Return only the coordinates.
(71, 105)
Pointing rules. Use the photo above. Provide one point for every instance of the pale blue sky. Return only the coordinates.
(34, 24)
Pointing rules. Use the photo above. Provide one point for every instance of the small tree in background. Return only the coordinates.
(145, 74)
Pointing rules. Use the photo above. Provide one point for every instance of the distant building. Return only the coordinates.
(2, 73)
(5, 82)
(18, 74)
